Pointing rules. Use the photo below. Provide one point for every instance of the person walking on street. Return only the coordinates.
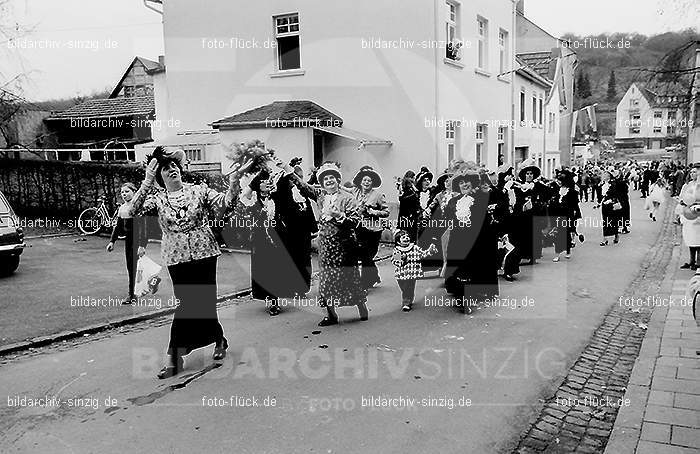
(611, 208)
(409, 205)
(406, 259)
(657, 197)
(339, 276)
(565, 208)
(189, 250)
(596, 191)
(373, 211)
(689, 219)
(623, 192)
(583, 181)
(134, 232)
(281, 237)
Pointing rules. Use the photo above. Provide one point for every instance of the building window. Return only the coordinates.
(193, 153)
(503, 51)
(552, 119)
(501, 139)
(451, 137)
(635, 124)
(480, 144)
(670, 122)
(634, 102)
(658, 121)
(483, 45)
(128, 92)
(540, 113)
(522, 106)
(452, 32)
(288, 45)
(534, 110)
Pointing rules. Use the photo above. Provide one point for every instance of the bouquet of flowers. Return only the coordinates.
(252, 156)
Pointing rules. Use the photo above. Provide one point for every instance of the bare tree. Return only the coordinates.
(12, 81)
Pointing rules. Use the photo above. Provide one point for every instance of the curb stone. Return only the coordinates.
(43, 341)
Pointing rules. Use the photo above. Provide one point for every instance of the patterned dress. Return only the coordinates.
(187, 234)
(407, 261)
(190, 251)
(339, 276)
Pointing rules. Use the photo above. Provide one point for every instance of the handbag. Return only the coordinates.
(146, 270)
(617, 206)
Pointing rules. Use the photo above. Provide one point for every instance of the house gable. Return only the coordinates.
(137, 80)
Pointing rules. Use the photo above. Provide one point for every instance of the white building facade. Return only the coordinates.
(647, 121)
(405, 100)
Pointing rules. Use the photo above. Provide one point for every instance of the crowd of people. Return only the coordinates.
(466, 227)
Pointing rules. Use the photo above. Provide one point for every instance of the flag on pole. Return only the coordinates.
(591, 116)
(574, 121)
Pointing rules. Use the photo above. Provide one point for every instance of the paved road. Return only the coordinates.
(55, 274)
(502, 360)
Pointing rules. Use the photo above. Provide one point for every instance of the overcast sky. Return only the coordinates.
(81, 62)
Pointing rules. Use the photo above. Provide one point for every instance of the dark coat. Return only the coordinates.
(472, 269)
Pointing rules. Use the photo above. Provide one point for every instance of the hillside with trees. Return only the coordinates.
(604, 74)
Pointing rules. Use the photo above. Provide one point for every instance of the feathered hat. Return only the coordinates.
(367, 171)
(424, 173)
(468, 175)
(328, 168)
(528, 165)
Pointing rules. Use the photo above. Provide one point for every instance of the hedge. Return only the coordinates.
(58, 189)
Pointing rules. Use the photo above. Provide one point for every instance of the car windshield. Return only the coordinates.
(4, 207)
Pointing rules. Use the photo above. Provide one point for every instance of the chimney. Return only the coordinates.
(161, 60)
(520, 7)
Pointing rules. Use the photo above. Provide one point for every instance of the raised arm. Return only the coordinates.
(306, 189)
(141, 202)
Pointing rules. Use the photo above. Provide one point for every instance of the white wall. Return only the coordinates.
(388, 93)
(530, 134)
(161, 128)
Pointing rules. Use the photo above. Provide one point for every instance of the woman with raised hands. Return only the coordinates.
(189, 250)
(339, 276)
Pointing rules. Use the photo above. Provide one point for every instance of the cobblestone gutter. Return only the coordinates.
(579, 417)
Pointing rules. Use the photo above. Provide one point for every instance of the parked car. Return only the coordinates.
(11, 238)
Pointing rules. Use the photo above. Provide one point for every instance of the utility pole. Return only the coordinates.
(693, 146)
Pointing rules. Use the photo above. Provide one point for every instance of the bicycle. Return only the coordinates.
(92, 220)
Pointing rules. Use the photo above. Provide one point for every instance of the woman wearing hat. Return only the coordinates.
(566, 212)
(496, 204)
(340, 284)
(611, 208)
(436, 222)
(624, 192)
(280, 239)
(409, 205)
(188, 249)
(509, 255)
(424, 179)
(528, 211)
(469, 214)
(373, 211)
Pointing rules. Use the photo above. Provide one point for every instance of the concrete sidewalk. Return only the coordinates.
(664, 389)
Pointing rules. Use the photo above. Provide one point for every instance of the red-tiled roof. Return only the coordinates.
(112, 107)
(295, 113)
(539, 62)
